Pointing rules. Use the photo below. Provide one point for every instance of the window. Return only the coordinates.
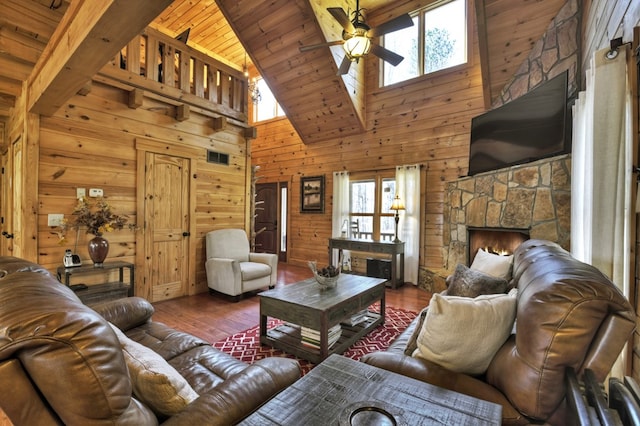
(370, 199)
(267, 107)
(436, 41)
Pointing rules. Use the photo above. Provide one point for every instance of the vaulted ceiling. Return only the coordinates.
(319, 104)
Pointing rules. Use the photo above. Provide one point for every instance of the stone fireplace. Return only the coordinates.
(533, 200)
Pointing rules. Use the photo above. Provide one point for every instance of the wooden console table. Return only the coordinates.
(396, 250)
(102, 291)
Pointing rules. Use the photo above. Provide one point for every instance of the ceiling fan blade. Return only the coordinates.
(386, 55)
(344, 66)
(342, 18)
(316, 46)
(395, 24)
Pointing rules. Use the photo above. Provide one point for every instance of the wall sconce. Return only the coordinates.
(397, 205)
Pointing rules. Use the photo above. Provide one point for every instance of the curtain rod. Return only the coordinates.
(380, 169)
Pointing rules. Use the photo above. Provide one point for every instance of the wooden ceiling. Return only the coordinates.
(319, 104)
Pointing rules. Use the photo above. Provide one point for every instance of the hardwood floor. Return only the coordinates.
(214, 317)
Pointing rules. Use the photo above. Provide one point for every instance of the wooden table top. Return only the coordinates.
(309, 294)
(341, 391)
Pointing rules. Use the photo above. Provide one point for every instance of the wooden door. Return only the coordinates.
(266, 222)
(6, 191)
(167, 198)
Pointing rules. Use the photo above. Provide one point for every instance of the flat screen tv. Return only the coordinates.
(536, 125)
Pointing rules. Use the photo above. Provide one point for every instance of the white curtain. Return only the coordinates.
(340, 213)
(408, 188)
(601, 178)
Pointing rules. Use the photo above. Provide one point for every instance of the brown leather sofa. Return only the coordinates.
(61, 362)
(568, 314)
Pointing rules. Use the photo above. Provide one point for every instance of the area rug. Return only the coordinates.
(246, 347)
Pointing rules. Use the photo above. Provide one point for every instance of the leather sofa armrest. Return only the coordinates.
(126, 313)
(240, 394)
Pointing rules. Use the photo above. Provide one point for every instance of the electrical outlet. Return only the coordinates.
(95, 192)
(54, 219)
(81, 192)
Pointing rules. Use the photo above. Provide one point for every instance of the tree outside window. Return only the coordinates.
(436, 41)
(370, 214)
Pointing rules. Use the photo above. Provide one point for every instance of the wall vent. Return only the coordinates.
(217, 158)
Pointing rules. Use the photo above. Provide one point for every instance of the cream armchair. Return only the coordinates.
(232, 269)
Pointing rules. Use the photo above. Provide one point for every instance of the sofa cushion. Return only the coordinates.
(155, 382)
(493, 264)
(468, 282)
(463, 334)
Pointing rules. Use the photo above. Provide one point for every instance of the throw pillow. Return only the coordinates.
(468, 282)
(464, 334)
(155, 382)
(493, 264)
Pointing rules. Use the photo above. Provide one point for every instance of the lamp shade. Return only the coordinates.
(357, 46)
(397, 204)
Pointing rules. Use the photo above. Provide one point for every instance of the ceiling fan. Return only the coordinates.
(357, 35)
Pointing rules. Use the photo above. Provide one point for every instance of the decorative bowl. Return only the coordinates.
(325, 277)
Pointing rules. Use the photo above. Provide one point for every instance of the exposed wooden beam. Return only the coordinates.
(483, 44)
(90, 34)
(136, 97)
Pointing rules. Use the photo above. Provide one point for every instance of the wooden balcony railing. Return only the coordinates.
(161, 64)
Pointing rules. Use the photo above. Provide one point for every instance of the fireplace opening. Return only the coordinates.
(494, 240)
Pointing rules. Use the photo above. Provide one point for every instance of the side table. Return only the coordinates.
(102, 291)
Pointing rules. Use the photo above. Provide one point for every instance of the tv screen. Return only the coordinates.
(534, 126)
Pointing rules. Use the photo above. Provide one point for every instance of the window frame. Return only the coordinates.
(377, 177)
(277, 111)
(421, 35)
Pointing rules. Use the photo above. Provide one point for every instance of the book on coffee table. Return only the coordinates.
(311, 337)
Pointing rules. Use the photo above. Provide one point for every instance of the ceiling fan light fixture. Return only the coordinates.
(357, 46)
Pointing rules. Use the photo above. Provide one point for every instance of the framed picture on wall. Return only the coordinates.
(312, 194)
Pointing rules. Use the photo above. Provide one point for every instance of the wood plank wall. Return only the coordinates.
(423, 121)
(90, 143)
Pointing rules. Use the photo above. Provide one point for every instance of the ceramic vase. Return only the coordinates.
(98, 250)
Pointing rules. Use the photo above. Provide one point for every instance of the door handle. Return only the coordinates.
(186, 234)
(7, 235)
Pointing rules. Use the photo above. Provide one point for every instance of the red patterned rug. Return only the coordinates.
(246, 347)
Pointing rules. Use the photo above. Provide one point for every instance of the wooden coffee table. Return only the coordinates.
(305, 304)
(341, 391)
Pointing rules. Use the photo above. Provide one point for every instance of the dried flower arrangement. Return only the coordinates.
(97, 218)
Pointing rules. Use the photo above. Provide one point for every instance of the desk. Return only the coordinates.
(396, 250)
(103, 291)
(341, 391)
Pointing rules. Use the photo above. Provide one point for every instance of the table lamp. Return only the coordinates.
(397, 205)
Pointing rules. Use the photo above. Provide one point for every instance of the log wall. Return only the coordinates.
(423, 121)
(90, 143)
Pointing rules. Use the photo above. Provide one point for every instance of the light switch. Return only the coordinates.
(81, 192)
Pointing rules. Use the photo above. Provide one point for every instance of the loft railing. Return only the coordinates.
(178, 71)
